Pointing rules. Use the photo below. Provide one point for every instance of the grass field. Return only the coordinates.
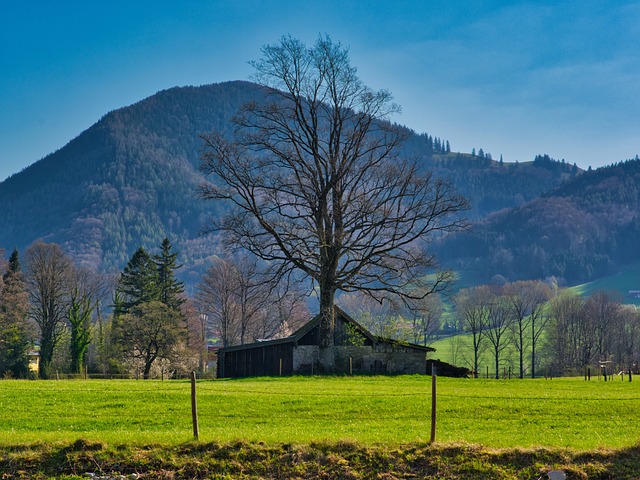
(299, 410)
(622, 283)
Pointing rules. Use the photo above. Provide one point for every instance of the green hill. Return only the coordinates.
(130, 180)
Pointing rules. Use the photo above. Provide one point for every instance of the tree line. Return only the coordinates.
(139, 322)
(545, 328)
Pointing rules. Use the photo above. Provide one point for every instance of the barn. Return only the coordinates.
(356, 352)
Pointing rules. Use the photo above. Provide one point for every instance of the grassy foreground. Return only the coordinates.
(335, 427)
(340, 460)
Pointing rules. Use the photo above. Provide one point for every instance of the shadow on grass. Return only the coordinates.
(344, 460)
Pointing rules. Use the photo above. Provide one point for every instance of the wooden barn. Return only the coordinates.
(356, 351)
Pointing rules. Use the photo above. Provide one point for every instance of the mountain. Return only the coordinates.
(580, 231)
(131, 178)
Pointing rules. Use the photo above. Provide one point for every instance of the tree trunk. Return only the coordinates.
(46, 355)
(521, 353)
(147, 370)
(326, 329)
(533, 348)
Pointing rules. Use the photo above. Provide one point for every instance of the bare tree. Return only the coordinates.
(526, 299)
(198, 332)
(315, 185)
(251, 293)
(540, 293)
(425, 318)
(216, 298)
(48, 272)
(86, 290)
(627, 339)
(498, 325)
(284, 312)
(572, 334)
(472, 312)
(604, 311)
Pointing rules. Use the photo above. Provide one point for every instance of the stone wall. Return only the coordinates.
(379, 358)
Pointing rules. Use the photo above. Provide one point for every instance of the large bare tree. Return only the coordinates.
(48, 274)
(316, 185)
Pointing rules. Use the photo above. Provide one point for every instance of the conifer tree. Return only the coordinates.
(14, 264)
(170, 289)
(15, 334)
(138, 283)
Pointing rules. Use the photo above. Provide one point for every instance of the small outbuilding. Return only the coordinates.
(356, 351)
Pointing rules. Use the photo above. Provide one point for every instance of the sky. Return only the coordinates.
(516, 78)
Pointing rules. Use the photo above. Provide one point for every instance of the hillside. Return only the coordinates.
(130, 180)
(584, 229)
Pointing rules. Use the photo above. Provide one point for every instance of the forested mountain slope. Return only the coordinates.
(582, 230)
(130, 180)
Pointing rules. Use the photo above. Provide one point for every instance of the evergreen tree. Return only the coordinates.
(15, 334)
(170, 289)
(151, 331)
(138, 283)
(14, 264)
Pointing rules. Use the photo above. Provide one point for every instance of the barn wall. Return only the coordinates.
(255, 362)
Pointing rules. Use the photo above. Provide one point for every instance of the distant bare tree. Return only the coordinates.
(604, 311)
(425, 318)
(86, 290)
(526, 299)
(251, 292)
(472, 312)
(285, 311)
(572, 334)
(48, 274)
(628, 349)
(315, 184)
(243, 307)
(539, 296)
(216, 298)
(498, 325)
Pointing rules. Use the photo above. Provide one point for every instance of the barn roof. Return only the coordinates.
(313, 323)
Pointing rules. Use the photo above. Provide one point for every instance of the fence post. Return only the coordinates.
(350, 365)
(194, 406)
(280, 367)
(433, 402)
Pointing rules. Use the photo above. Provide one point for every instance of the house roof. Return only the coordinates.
(314, 322)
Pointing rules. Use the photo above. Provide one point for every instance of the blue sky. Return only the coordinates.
(514, 78)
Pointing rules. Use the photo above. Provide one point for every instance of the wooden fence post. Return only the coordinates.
(433, 402)
(194, 406)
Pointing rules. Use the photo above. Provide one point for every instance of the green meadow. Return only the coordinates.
(388, 411)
